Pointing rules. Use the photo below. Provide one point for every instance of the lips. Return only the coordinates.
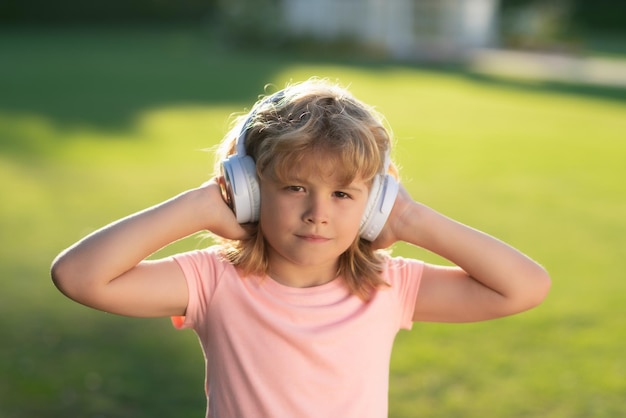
(313, 238)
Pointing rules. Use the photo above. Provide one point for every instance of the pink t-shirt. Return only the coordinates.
(278, 351)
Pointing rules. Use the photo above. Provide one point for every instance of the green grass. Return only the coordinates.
(97, 124)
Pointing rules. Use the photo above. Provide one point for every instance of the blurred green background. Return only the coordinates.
(107, 109)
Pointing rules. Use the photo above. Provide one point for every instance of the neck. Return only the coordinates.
(301, 279)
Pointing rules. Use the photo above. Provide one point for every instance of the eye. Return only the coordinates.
(293, 188)
(342, 195)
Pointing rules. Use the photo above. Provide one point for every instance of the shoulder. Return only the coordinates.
(204, 270)
(398, 269)
(404, 276)
(210, 254)
(206, 262)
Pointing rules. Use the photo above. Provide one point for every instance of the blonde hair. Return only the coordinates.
(312, 120)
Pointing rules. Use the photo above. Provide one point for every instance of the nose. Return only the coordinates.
(316, 211)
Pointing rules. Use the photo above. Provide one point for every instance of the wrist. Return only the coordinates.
(415, 224)
(211, 212)
(202, 201)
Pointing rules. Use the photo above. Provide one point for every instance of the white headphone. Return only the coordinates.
(243, 195)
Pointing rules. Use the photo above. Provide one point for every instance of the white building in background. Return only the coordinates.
(426, 29)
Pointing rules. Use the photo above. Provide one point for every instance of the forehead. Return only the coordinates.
(326, 167)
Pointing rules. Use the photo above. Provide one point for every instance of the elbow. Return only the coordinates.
(543, 285)
(64, 277)
(537, 288)
(59, 275)
(77, 280)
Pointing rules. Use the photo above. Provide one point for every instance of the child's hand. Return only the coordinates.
(395, 226)
(220, 218)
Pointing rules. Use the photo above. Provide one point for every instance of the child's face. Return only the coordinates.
(309, 221)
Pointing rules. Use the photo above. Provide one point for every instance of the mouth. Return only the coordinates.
(313, 238)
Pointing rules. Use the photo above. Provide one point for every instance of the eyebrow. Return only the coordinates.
(352, 189)
(347, 187)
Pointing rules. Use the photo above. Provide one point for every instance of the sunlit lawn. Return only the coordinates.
(95, 125)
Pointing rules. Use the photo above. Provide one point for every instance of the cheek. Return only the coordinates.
(351, 222)
(271, 206)
(275, 213)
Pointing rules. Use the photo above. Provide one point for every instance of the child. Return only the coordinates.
(298, 306)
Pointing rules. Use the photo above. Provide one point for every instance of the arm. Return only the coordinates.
(491, 279)
(107, 269)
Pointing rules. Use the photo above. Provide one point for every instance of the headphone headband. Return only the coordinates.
(240, 145)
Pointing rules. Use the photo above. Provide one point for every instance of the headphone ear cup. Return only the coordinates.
(242, 187)
(379, 204)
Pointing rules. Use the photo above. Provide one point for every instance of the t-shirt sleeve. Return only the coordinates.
(202, 270)
(404, 276)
